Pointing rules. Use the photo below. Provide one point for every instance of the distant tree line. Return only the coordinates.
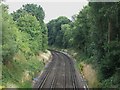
(95, 32)
(55, 33)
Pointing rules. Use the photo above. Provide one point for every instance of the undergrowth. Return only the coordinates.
(20, 72)
(111, 82)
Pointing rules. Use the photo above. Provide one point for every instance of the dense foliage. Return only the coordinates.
(24, 36)
(9, 29)
(95, 32)
(29, 24)
(37, 12)
(25, 33)
(55, 32)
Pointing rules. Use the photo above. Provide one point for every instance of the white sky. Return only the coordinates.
(52, 8)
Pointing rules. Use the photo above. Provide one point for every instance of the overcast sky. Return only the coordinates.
(52, 8)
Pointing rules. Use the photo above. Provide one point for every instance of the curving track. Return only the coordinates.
(60, 73)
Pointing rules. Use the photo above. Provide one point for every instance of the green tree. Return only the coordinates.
(9, 29)
(81, 37)
(31, 26)
(67, 35)
(54, 30)
(38, 12)
(35, 10)
(97, 35)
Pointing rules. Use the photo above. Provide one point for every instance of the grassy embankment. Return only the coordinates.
(20, 72)
(85, 68)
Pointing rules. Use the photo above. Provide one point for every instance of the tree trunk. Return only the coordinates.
(109, 31)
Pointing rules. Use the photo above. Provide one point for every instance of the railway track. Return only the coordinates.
(60, 73)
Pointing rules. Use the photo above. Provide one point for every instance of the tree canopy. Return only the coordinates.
(55, 33)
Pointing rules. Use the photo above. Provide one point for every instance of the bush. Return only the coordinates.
(9, 45)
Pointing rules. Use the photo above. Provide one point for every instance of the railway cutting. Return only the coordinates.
(60, 73)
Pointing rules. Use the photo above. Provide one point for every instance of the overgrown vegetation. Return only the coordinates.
(95, 34)
(24, 35)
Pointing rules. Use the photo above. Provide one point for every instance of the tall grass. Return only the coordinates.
(21, 71)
